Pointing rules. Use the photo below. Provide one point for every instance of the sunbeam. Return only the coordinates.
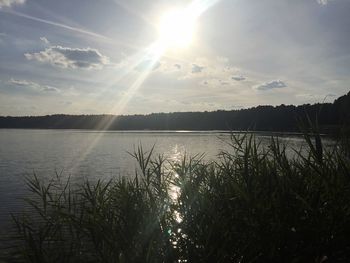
(151, 55)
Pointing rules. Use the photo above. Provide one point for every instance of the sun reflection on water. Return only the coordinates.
(176, 156)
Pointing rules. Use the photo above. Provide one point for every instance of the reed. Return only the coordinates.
(253, 204)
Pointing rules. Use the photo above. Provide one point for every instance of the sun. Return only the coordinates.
(176, 29)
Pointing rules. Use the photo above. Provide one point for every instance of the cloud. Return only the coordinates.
(9, 3)
(178, 66)
(214, 82)
(33, 86)
(274, 84)
(170, 66)
(20, 82)
(323, 2)
(44, 39)
(238, 78)
(66, 57)
(196, 69)
(212, 72)
(224, 83)
(50, 89)
(210, 68)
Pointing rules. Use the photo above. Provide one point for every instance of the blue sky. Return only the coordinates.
(92, 57)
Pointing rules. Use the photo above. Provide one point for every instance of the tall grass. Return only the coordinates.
(254, 204)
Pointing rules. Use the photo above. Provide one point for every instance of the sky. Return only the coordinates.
(118, 56)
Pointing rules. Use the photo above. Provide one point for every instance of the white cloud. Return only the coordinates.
(238, 78)
(66, 57)
(44, 39)
(196, 68)
(178, 66)
(210, 72)
(224, 83)
(33, 85)
(9, 3)
(50, 89)
(274, 84)
(323, 2)
(217, 70)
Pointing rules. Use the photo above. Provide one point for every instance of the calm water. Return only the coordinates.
(89, 154)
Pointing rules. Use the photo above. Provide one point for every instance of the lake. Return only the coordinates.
(91, 154)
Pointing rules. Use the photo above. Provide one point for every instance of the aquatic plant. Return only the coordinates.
(253, 204)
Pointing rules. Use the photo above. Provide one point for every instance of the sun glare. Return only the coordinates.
(176, 29)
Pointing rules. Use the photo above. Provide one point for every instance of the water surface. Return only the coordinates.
(91, 154)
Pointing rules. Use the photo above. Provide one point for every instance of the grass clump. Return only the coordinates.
(254, 204)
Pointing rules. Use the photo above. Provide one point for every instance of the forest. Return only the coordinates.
(283, 118)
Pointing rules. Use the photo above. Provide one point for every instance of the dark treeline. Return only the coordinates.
(283, 118)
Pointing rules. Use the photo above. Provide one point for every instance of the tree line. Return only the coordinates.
(282, 118)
